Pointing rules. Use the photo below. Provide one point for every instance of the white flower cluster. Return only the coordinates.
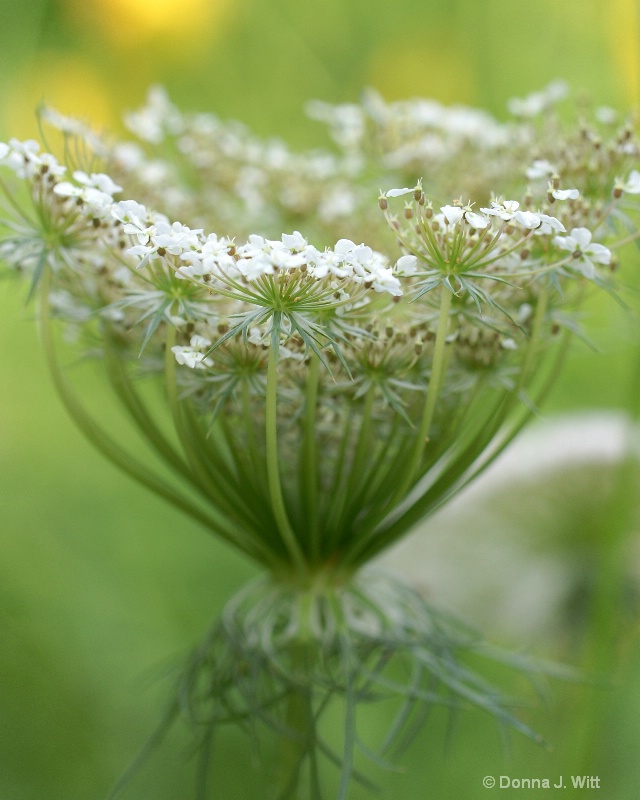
(95, 192)
(203, 258)
(191, 355)
(503, 210)
(584, 252)
(409, 131)
(538, 102)
(26, 160)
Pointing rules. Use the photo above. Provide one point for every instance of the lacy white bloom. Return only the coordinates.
(509, 211)
(606, 115)
(98, 203)
(165, 239)
(585, 253)
(192, 356)
(406, 265)
(25, 159)
(134, 217)
(208, 259)
(455, 214)
(541, 168)
(563, 194)
(548, 225)
(535, 103)
(157, 118)
(98, 181)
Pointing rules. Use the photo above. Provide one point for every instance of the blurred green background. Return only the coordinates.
(100, 584)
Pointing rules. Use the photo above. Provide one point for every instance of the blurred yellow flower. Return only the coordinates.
(624, 32)
(442, 70)
(128, 22)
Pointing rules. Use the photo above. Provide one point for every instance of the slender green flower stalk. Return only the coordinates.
(320, 400)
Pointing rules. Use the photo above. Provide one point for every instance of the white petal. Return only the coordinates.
(476, 220)
(397, 192)
(564, 242)
(527, 219)
(586, 268)
(565, 194)
(200, 341)
(632, 186)
(581, 236)
(453, 214)
(599, 253)
(552, 222)
(406, 265)
(344, 246)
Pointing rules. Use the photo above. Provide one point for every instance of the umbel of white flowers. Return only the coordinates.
(320, 399)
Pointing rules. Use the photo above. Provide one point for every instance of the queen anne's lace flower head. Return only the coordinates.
(319, 391)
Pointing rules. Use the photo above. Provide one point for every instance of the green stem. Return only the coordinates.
(192, 442)
(273, 467)
(309, 466)
(105, 444)
(433, 391)
(299, 717)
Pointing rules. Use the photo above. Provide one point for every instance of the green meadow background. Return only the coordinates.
(102, 587)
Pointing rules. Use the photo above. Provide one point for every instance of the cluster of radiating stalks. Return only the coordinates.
(321, 395)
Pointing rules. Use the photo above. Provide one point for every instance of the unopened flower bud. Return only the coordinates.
(382, 202)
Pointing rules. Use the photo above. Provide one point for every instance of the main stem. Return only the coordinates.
(299, 715)
(273, 467)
